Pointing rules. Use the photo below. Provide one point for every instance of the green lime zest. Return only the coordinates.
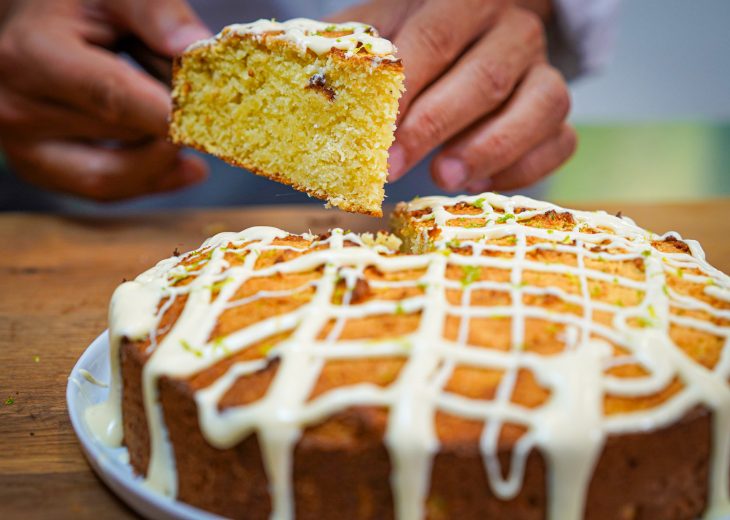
(188, 347)
(644, 322)
(266, 348)
(652, 312)
(219, 344)
(217, 286)
(179, 278)
(504, 218)
(470, 274)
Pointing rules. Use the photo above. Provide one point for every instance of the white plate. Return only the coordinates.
(111, 464)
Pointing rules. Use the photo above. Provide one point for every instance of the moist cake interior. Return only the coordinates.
(302, 102)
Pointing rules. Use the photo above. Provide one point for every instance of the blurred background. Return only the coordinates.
(654, 123)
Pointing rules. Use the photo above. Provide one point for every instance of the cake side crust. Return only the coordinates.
(657, 474)
(345, 204)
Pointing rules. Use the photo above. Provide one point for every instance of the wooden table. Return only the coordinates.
(56, 276)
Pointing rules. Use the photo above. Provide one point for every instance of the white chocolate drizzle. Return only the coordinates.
(319, 37)
(569, 429)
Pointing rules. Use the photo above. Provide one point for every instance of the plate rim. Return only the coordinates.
(117, 475)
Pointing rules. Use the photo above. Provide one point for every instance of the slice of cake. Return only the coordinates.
(306, 103)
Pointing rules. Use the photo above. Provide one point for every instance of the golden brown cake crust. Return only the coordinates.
(276, 177)
(657, 474)
(395, 64)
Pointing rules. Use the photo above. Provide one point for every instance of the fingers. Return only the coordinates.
(535, 112)
(104, 174)
(58, 117)
(533, 166)
(166, 26)
(435, 35)
(498, 107)
(24, 118)
(544, 159)
(90, 79)
(479, 83)
(385, 15)
(69, 71)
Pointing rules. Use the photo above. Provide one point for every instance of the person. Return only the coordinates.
(483, 100)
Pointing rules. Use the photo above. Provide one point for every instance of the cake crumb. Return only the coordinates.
(388, 240)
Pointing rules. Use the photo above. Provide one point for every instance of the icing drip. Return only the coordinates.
(410, 437)
(319, 37)
(571, 451)
(576, 377)
(132, 314)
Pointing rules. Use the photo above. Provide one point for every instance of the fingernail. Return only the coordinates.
(396, 162)
(479, 186)
(453, 173)
(193, 170)
(180, 38)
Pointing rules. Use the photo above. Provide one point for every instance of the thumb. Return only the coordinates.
(165, 26)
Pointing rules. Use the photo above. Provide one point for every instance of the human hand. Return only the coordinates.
(77, 118)
(478, 84)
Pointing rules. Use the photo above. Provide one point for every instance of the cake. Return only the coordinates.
(514, 359)
(303, 102)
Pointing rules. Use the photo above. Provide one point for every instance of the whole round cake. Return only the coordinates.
(494, 357)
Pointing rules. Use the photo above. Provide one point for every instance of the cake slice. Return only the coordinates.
(303, 102)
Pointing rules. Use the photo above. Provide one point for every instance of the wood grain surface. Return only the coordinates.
(57, 274)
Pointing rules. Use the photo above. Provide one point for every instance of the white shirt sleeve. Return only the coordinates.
(581, 36)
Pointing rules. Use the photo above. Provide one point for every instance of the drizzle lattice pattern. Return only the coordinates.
(485, 245)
